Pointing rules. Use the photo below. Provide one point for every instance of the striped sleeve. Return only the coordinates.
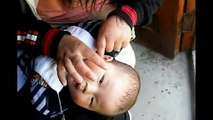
(38, 37)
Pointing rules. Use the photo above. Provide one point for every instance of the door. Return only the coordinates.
(172, 28)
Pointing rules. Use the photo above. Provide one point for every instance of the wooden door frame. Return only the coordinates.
(188, 28)
(164, 34)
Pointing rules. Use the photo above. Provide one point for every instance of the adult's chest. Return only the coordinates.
(57, 11)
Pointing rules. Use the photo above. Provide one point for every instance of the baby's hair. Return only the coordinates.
(128, 99)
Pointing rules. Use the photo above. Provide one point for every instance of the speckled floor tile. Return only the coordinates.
(166, 86)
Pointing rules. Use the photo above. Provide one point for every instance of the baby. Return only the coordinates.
(114, 92)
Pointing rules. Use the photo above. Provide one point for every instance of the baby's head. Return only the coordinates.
(114, 92)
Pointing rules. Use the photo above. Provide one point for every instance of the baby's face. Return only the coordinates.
(102, 95)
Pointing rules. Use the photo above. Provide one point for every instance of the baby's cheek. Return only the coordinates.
(80, 100)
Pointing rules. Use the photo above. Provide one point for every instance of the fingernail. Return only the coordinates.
(64, 83)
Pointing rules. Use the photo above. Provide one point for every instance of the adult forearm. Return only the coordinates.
(38, 37)
(136, 12)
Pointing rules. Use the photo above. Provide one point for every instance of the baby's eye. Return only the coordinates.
(91, 101)
(101, 80)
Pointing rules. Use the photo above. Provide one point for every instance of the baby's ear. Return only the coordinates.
(108, 58)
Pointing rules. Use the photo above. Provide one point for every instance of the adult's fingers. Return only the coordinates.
(101, 45)
(61, 73)
(124, 44)
(117, 46)
(71, 70)
(109, 45)
(97, 59)
(82, 68)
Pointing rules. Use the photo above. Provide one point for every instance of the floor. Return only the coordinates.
(168, 90)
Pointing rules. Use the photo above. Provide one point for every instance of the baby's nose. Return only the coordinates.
(82, 86)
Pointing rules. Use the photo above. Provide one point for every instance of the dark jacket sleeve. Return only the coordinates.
(136, 12)
(36, 36)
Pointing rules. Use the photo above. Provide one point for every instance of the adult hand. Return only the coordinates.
(114, 34)
(70, 57)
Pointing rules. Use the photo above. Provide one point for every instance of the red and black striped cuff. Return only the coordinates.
(131, 13)
(51, 42)
(47, 41)
(127, 13)
(55, 43)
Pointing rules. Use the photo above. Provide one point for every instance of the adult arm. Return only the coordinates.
(115, 32)
(38, 37)
(136, 12)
